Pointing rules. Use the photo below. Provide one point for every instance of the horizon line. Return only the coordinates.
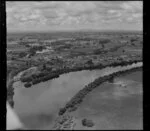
(73, 30)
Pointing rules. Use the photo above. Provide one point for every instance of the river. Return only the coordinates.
(114, 106)
(38, 106)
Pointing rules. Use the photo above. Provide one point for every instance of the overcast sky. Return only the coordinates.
(49, 16)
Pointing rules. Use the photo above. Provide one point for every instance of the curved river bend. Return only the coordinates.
(38, 106)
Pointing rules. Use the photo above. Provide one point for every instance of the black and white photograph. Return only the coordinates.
(74, 65)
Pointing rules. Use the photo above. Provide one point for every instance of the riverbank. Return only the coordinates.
(55, 74)
(74, 103)
(48, 75)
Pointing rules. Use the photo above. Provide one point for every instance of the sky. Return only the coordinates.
(74, 15)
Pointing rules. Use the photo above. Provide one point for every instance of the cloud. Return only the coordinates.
(137, 15)
(132, 5)
(48, 14)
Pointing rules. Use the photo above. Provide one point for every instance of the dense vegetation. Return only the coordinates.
(48, 74)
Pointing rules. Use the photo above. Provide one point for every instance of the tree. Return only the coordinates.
(27, 85)
(97, 51)
(22, 54)
(13, 58)
(89, 62)
(104, 41)
(111, 80)
(44, 66)
(28, 46)
(88, 123)
(132, 40)
(103, 46)
(62, 111)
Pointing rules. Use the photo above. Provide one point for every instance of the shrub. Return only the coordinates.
(34, 76)
(104, 41)
(46, 78)
(27, 85)
(36, 81)
(88, 123)
(22, 54)
(42, 74)
(26, 79)
(72, 109)
(62, 111)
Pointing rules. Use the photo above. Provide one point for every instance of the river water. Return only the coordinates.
(37, 107)
(114, 106)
